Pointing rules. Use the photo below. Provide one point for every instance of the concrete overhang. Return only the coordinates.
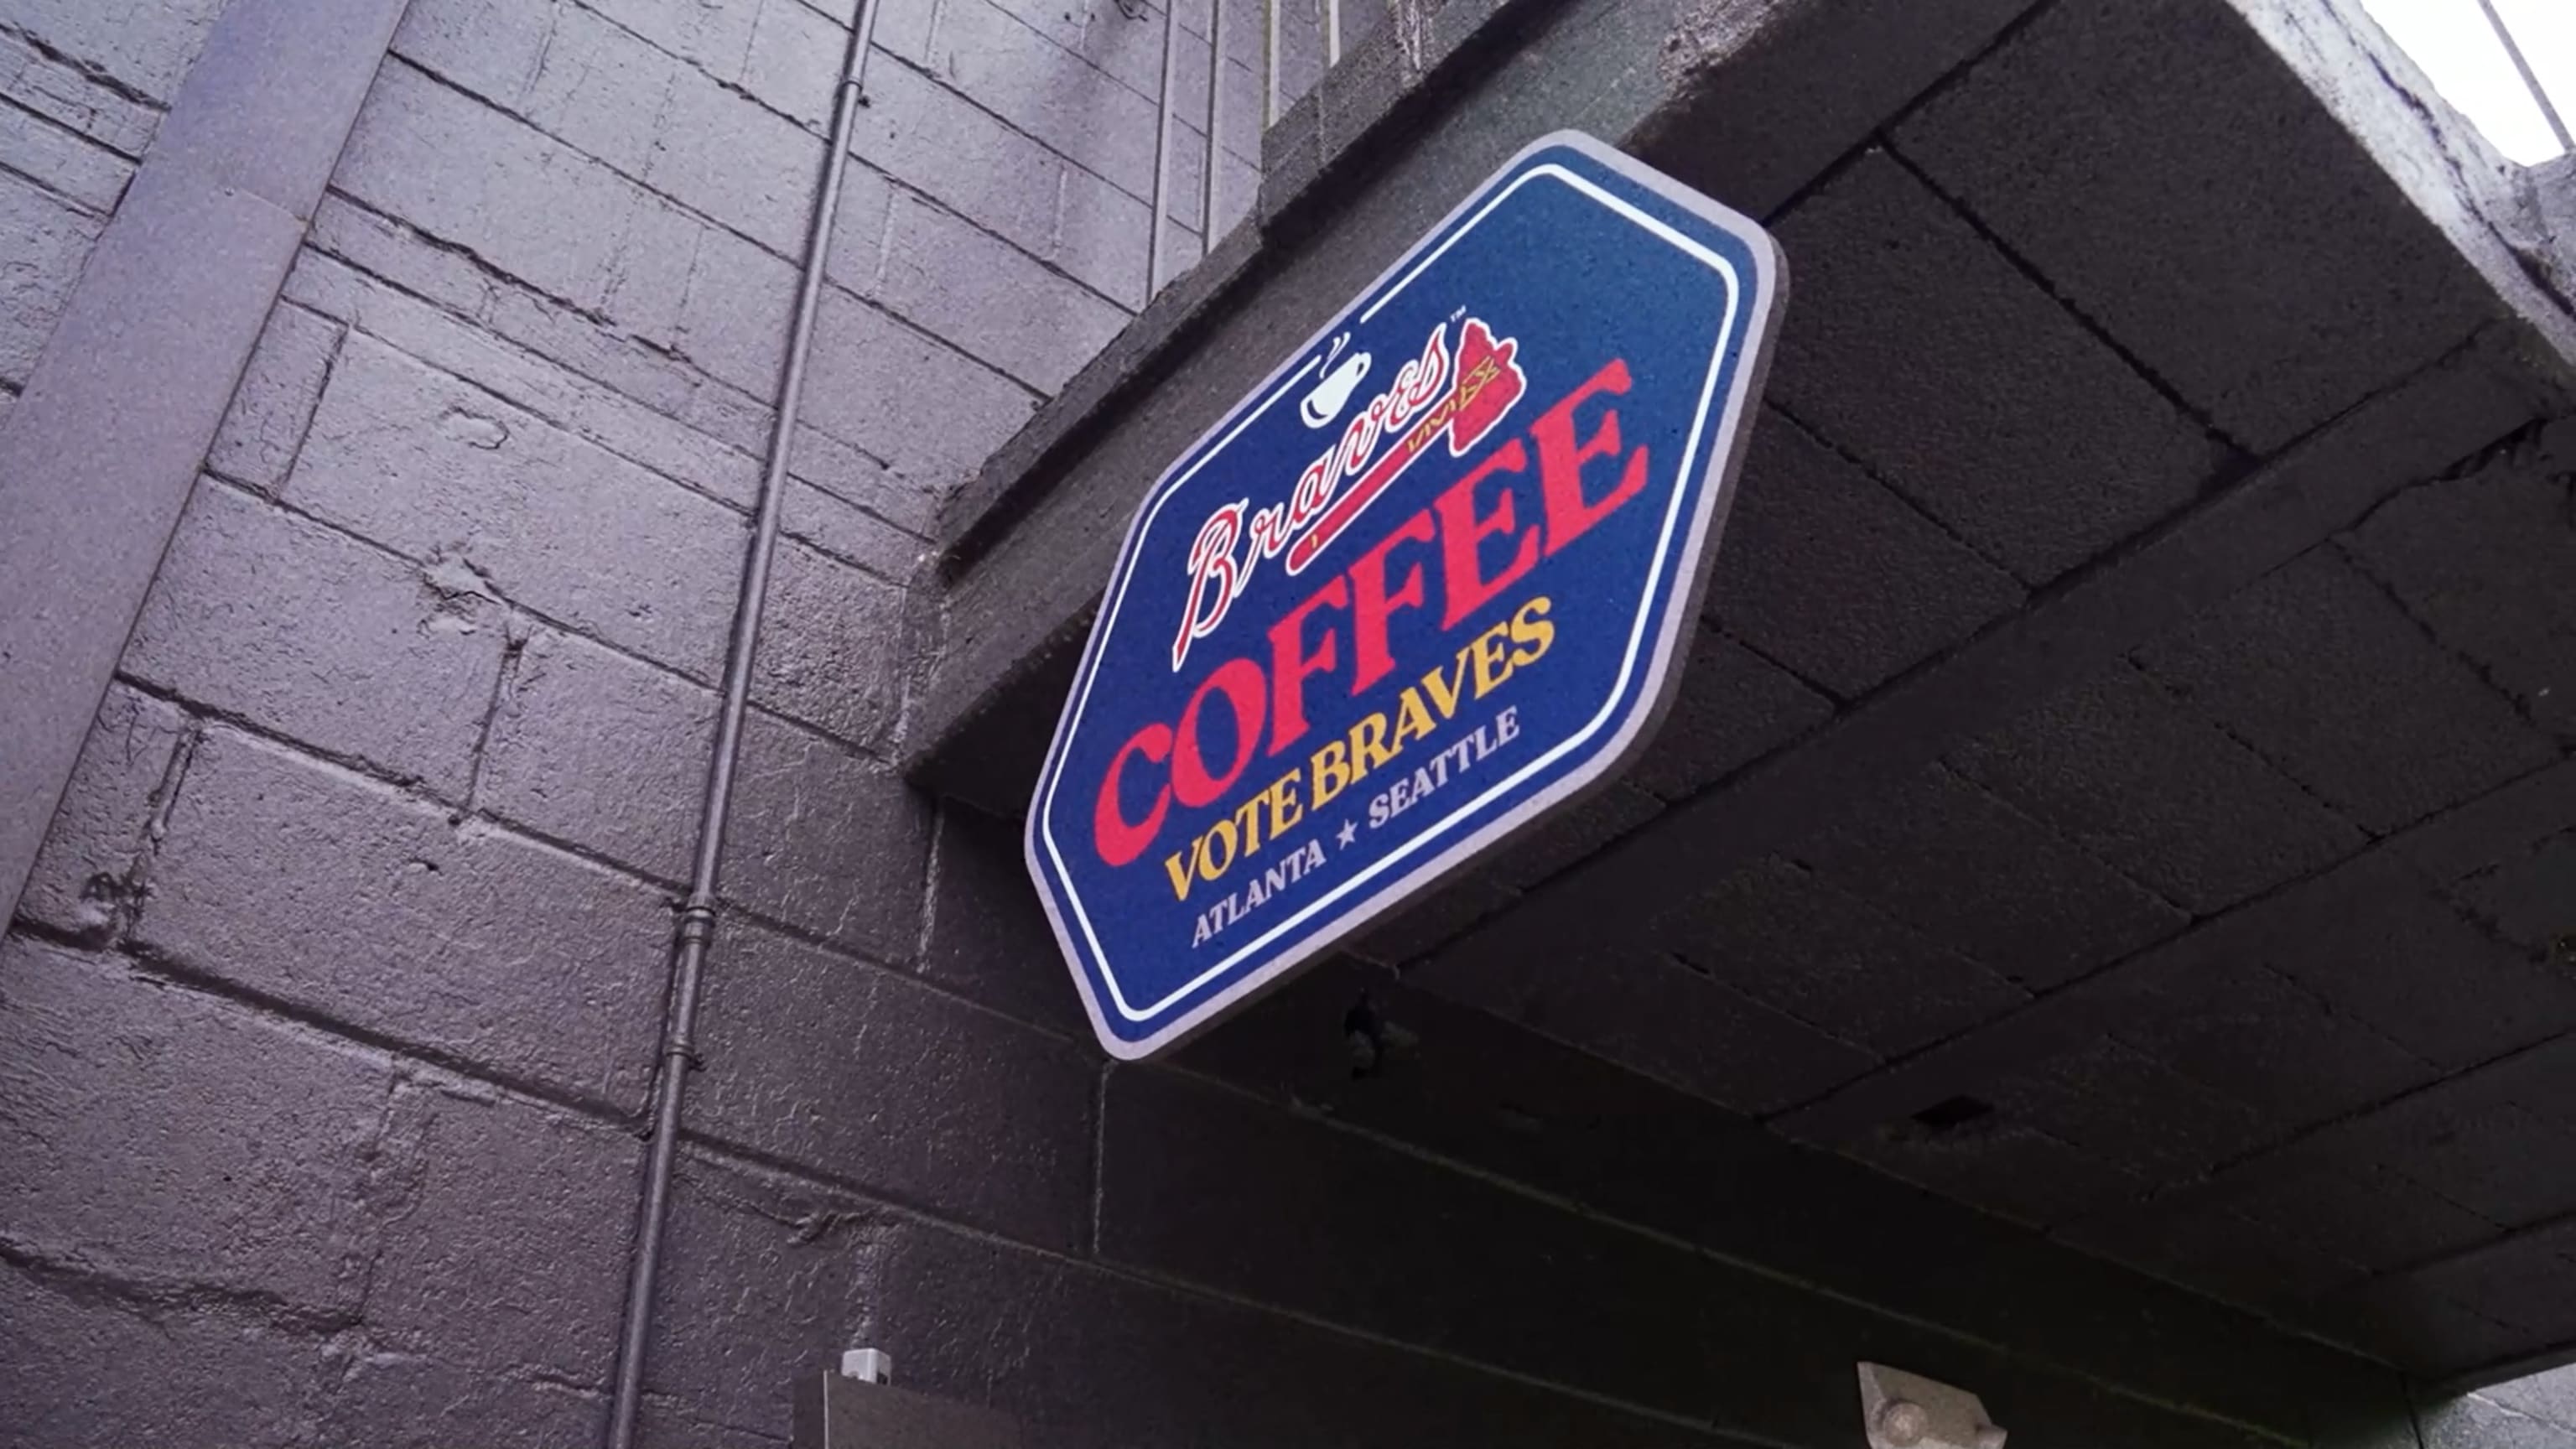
(2123, 781)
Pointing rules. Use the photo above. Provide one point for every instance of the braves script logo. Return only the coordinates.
(1464, 397)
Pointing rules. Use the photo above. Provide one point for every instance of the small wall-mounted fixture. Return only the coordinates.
(1900, 1410)
(853, 1407)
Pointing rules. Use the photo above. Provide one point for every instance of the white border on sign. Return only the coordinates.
(1627, 665)
(1654, 699)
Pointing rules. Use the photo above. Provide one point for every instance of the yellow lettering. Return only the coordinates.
(1210, 867)
(1285, 811)
(1369, 746)
(1444, 689)
(1182, 873)
(1247, 820)
(1412, 721)
(1493, 665)
(1532, 632)
(1332, 769)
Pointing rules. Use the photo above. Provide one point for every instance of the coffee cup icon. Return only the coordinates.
(1325, 402)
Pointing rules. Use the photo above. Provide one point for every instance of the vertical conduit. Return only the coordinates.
(1269, 63)
(2530, 80)
(1215, 121)
(698, 916)
(1332, 33)
(1160, 231)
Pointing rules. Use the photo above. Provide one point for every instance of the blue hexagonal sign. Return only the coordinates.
(1425, 585)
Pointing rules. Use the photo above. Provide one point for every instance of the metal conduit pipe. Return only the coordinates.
(1159, 233)
(1215, 120)
(2530, 80)
(698, 915)
(1269, 64)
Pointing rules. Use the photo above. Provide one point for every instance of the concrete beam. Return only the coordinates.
(2244, 228)
(1724, 95)
(99, 454)
(2484, 205)
(1734, 99)
(2493, 827)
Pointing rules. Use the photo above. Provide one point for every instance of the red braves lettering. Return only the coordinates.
(1429, 398)
(1459, 526)
(1489, 382)
(1213, 580)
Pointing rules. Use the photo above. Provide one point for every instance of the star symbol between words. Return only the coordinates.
(1349, 833)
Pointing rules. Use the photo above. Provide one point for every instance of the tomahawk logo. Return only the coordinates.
(1463, 397)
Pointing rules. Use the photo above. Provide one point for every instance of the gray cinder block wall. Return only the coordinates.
(83, 86)
(332, 1000)
(327, 1016)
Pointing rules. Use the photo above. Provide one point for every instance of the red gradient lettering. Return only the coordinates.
(1290, 664)
(1560, 460)
(1462, 537)
(1118, 840)
(1371, 657)
(1239, 682)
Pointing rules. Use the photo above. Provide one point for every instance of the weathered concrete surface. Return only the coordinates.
(333, 996)
(167, 308)
(2142, 629)
(361, 875)
(336, 984)
(1341, 200)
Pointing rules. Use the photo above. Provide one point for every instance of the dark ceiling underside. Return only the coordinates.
(2124, 782)
(2215, 908)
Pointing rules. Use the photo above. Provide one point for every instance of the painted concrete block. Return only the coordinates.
(2151, 789)
(159, 1137)
(1830, 574)
(1966, 386)
(2317, 668)
(457, 940)
(309, 633)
